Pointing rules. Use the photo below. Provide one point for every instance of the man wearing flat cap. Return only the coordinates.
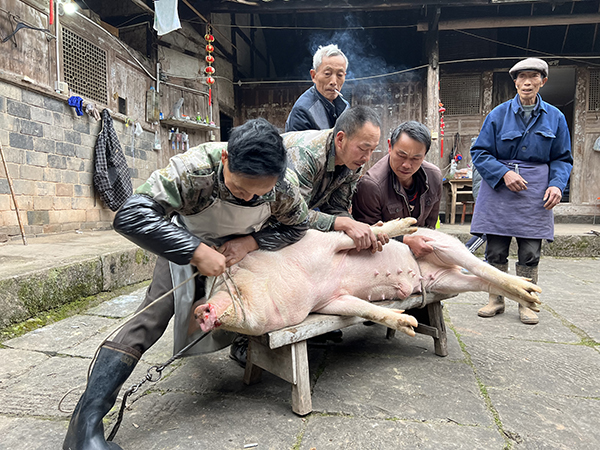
(523, 154)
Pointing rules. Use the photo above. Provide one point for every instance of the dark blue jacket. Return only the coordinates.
(504, 136)
(312, 111)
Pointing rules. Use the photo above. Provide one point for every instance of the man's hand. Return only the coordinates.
(418, 244)
(552, 197)
(208, 261)
(383, 238)
(514, 181)
(236, 249)
(360, 233)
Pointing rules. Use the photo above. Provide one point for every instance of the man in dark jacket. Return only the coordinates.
(320, 106)
(402, 184)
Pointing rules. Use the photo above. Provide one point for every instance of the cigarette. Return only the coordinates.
(339, 93)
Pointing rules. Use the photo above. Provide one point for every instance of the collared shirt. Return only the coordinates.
(504, 136)
(312, 111)
(327, 188)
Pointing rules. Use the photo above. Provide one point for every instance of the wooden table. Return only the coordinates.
(457, 187)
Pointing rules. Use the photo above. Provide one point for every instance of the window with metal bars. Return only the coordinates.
(461, 94)
(594, 90)
(84, 67)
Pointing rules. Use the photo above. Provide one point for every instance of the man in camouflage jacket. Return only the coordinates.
(220, 186)
(329, 164)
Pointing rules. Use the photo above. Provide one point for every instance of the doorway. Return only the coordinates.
(226, 124)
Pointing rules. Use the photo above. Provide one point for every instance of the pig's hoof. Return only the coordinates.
(206, 316)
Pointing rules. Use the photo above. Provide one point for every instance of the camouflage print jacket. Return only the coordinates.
(326, 188)
(188, 185)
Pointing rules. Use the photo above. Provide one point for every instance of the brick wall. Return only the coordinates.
(49, 152)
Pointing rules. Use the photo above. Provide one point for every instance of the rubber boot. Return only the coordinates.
(496, 302)
(526, 315)
(113, 366)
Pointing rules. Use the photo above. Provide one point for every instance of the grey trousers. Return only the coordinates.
(147, 328)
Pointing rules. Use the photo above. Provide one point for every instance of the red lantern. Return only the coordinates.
(210, 48)
(210, 59)
(209, 38)
(210, 80)
(209, 69)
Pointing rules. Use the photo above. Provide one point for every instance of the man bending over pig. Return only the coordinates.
(237, 196)
(328, 164)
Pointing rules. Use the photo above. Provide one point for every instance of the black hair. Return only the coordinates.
(353, 119)
(255, 149)
(414, 130)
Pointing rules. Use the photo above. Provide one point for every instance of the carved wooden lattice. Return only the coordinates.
(84, 67)
(461, 94)
(594, 91)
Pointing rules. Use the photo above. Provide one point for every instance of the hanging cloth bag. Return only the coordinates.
(112, 179)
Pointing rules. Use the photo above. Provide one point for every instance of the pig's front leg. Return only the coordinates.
(392, 228)
(348, 305)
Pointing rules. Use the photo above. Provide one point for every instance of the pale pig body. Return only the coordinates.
(319, 274)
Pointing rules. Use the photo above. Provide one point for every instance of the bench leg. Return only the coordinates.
(301, 401)
(252, 372)
(289, 362)
(436, 320)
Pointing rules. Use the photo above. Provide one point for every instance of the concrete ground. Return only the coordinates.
(503, 385)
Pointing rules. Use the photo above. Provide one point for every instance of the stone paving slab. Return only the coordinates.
(212, 421)
(553, 369)
(507, 325)
(62, 335)
(121, 306)
(32, 434)
(549, 421)
(18, 362)
(38, 392)
(334, 433)
(401, 381)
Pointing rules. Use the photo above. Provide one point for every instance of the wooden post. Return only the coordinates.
(432, 119)
(12, 192)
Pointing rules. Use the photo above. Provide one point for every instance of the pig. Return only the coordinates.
(322, 273)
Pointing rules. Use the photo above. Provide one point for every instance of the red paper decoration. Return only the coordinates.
(210, 80)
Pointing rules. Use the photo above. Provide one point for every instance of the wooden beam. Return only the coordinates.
(143, 6)
(511, 22)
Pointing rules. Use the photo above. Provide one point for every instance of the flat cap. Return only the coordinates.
(536, 64)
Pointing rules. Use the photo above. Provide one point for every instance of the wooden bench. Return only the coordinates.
(284, 352)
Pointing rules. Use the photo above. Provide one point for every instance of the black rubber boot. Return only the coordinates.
(239, 350)
(113, 366)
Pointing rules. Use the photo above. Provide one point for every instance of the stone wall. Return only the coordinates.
(49, 152)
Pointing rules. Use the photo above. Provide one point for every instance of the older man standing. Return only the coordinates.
(402, 184)
(523, 154)
(319, 107)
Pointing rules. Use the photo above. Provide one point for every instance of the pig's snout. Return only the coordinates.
(206, 316)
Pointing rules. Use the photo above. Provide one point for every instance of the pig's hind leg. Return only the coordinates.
(348, 305)
(453, 281)
(449, 252)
